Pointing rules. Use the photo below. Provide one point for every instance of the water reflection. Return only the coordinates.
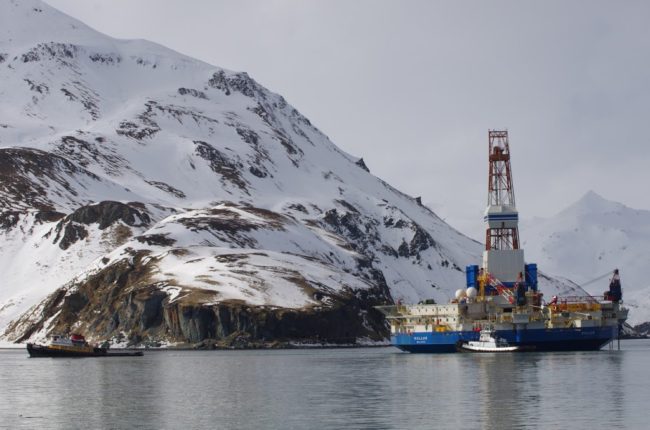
(509, 389)
(361, 388)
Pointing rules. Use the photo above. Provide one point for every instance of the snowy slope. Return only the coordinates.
(112, 149)
(590, 238)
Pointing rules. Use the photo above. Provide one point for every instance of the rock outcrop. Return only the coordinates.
(123, 301)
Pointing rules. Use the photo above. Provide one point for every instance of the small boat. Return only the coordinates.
(487, 342)
(74, 346)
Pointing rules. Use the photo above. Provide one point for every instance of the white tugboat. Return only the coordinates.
(487, 342)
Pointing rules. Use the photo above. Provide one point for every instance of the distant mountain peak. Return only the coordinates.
(592, 202)
(591, 237)
(592, 195)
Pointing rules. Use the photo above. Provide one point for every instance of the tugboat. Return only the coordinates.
(74, 346)
(487, 342)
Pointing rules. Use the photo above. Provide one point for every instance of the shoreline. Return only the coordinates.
(224, 348)
(254, 348)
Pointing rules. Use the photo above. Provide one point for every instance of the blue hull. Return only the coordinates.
(558, 339)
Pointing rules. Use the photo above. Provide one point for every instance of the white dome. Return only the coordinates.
(471, 292)
(460, 293)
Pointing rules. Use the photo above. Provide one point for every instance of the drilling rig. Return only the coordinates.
(502, 257)
(501, 299)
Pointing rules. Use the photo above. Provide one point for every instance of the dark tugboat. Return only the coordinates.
(74, 346)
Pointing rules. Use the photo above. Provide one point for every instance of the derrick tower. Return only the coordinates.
(502, 256)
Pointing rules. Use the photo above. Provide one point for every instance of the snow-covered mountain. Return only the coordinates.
(148, 195)
(591, 238)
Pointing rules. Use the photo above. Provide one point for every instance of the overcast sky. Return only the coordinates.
(414, 86)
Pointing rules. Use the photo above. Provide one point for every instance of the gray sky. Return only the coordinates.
(413, 86)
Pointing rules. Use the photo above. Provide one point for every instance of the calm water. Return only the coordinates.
(321, 389)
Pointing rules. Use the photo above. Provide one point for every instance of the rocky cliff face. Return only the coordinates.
(148, 196)
(123, 303)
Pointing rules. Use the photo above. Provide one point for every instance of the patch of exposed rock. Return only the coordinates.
(71, 228)
(26, 174)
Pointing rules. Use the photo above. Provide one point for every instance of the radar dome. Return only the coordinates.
(471, 292)
(460, 293)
